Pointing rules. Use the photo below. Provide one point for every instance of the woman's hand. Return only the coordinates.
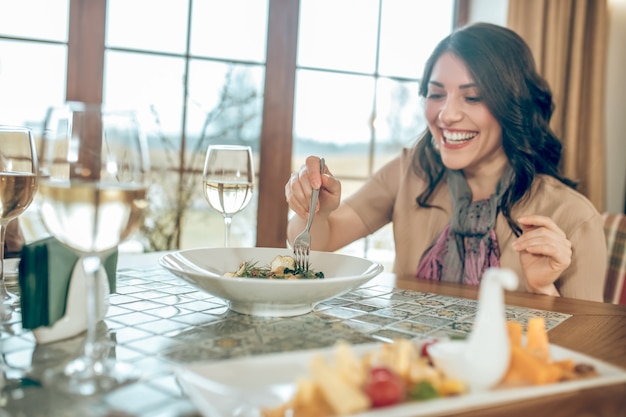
(545, 252)
(300, 186)
(335, 224)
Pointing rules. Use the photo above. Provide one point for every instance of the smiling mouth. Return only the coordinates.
(455, 138)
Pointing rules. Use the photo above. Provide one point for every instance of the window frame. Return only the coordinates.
(85, 81)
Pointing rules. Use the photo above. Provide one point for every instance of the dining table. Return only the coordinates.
(156, 321)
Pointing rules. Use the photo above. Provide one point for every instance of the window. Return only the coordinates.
(33, 56)
(358, 69)
(192, 92)
(197, 73)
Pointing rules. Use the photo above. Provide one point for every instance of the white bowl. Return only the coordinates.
(205, 269)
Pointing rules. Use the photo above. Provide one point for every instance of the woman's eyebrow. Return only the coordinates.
(461, 87)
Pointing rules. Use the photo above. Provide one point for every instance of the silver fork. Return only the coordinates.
(302, 243)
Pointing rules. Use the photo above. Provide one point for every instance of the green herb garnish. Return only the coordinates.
(423, 390)
(251, 270)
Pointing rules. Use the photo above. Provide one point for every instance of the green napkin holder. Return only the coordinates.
(53, 290)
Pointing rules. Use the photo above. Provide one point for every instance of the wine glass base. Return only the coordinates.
(83, 376)
(9, 299)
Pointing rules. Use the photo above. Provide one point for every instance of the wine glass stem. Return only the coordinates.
(227, 222)
(4, 293)
(91, 266)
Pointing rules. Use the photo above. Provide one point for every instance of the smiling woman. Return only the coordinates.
(467, 135)
(482, 186)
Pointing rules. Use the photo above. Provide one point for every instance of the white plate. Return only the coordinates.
(241, 387)
(11, 270)
(205, 269)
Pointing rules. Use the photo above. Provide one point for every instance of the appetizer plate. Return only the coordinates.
(205, 269)
(242, 387)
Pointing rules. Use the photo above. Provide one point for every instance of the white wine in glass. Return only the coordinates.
(93, 183)
(228, 181)
(18, 185)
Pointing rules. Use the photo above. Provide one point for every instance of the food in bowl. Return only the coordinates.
(281, 267)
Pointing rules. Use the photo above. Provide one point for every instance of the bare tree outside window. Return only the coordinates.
(235, 119)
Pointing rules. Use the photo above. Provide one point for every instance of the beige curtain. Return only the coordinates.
(569, 41)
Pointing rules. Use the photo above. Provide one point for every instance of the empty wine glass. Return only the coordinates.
(93, 183)
(18, 185)
(228, 181)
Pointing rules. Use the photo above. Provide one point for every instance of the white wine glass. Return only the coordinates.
(18, 185)
(93, 182)
(228, 181)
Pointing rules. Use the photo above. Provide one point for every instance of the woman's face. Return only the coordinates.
(467, 135)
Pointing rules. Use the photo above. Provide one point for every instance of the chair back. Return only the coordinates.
(615, 231)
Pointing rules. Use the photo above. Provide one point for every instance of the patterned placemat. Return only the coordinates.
(192, 325)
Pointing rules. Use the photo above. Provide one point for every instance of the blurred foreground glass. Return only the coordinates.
(94, 171)
(228, 181)
(18, 185)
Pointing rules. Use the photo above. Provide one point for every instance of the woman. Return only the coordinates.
(481, 188)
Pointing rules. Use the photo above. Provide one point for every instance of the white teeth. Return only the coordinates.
(458, 137)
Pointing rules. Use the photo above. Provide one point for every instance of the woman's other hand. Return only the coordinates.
(300, 186)
(545, 252)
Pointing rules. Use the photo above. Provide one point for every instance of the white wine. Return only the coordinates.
(91, 217)
(228, 197)
(17, 191)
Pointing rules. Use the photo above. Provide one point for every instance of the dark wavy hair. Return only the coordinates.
(503, 68)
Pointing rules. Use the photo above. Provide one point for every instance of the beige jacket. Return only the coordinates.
(390, 196)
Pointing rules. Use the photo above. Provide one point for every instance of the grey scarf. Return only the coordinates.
(468, 245)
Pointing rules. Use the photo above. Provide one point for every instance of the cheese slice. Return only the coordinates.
(343, 397)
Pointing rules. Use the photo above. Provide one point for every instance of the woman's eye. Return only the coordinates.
(474, 99)
(434, 96)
